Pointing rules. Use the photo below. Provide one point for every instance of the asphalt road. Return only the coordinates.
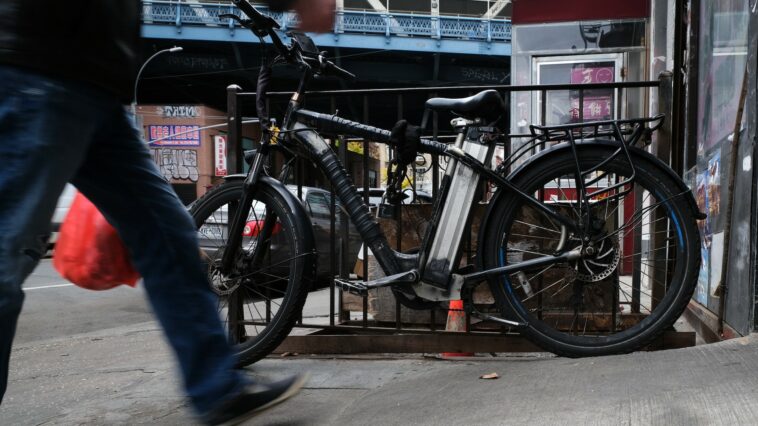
(55, 308)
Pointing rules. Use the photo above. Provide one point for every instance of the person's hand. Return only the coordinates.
(315, 15)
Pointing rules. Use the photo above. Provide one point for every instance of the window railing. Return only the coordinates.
(346, 22)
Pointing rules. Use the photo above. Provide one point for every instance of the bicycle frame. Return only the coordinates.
(430, 272)
(440, 252)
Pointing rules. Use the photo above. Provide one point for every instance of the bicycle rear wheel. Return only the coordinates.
(644, 268)
(262, 297)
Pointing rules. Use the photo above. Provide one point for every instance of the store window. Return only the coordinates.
(565, 107)
(723, 52)
(721, 65)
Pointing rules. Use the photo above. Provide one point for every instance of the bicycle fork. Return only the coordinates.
(240, 214)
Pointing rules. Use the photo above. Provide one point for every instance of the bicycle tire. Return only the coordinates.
(514, 296)
(290, 240)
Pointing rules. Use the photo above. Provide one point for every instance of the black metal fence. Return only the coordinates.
(381, 108)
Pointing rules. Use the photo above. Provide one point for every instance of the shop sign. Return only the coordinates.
(598, 104)
(219, 150)
(588, 75)
(179, 111)
(174, 135)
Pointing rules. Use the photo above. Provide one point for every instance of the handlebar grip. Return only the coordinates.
(262, 22)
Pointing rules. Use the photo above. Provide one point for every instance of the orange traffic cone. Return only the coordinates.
(456, 321)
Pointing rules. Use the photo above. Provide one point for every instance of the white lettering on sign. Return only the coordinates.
(219, 149)
(178, 111)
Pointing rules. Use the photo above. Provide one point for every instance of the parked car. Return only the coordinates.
(375, 196)
(317, 203)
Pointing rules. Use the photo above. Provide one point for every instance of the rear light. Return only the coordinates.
(253, 227)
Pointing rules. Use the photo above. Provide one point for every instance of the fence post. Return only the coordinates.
(234, 129)
(662, 149)
(662, 140)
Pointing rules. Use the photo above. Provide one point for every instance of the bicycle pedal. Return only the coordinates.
(361, 288)
(353, 287)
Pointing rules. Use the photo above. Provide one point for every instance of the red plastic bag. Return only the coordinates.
(89, 252)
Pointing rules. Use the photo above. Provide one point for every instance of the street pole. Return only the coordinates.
(136, 82)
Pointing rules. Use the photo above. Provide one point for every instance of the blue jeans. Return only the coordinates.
(53, 132)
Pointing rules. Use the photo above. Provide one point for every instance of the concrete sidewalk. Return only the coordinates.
(126, 376)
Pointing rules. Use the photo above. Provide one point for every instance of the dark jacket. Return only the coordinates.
(95, 41)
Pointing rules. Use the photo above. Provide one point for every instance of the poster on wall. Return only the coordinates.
(714, 191)
(174, 135)
(717, 259)
(219, 155)
(703, 279)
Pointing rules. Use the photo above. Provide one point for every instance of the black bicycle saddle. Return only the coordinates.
(487, 105)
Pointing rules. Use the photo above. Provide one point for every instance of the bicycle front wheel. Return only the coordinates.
(644, 260)
(262, 297)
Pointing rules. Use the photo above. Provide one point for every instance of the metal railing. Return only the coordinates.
(477, 337)
(346, 22)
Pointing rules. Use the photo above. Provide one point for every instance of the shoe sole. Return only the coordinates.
(290, 392)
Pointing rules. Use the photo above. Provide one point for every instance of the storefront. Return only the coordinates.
(718, 46)
(191, 156)
(556, 42)
(705, 46)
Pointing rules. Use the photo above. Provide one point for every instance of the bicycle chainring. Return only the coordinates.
(414, 302)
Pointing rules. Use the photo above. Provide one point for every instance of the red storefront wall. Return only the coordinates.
(542, 11)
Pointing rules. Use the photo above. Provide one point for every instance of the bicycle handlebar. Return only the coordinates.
(261, 22)
(262, 25)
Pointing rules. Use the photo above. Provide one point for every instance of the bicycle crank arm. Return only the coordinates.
(527, 264)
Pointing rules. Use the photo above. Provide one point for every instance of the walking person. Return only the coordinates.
(67, 69)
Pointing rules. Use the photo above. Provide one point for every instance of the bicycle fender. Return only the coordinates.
(589, 145)
(294, 205)
(534, 161)
(297, 208)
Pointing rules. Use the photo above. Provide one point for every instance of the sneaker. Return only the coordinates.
(253, 400)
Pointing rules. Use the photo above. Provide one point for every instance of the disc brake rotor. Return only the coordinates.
(223, 284)
(600, 266)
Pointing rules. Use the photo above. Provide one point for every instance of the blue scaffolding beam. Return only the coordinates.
(352, 29)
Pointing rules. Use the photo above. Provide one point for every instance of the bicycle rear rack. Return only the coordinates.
(628, 132)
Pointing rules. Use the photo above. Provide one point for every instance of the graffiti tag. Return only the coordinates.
(180, 164)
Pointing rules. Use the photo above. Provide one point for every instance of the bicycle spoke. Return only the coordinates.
(544, 289)
(537, 226)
